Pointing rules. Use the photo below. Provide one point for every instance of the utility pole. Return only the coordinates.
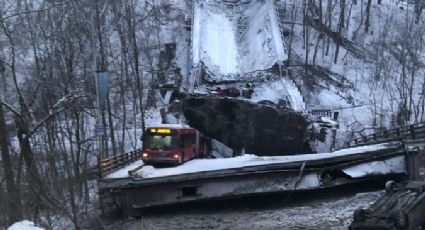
(102, 93)
(101, 77)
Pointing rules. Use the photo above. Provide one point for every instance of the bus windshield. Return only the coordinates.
(160, 142)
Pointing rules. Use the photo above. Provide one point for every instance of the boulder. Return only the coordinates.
(258, 129)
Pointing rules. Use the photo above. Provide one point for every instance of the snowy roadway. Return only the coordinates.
(203, 165)
(231, 41)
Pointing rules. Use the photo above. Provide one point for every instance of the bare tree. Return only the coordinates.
(13, 200)
(367, 21)
(340, 27)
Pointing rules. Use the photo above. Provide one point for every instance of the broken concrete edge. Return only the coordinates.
(374, 178)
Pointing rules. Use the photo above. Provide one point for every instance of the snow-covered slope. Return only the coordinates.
(260, 40)
(276, 91)
(231, 41)
(214, 40)
(374, 78)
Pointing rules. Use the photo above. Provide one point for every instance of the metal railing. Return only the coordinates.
(112, 163)
(321, 112)
(409, 131)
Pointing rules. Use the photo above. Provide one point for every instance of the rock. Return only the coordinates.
(258, 129)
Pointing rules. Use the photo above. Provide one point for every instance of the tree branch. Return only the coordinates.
(9, 107)
(32, 11)
(65, 101)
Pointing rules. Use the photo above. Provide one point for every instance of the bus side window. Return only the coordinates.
(189, 140)
(182, 141)
(192, 139)
(186, 140)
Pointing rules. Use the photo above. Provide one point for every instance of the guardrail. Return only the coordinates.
(324, 113)
(321, 112)
(409, 131)
(110, 164)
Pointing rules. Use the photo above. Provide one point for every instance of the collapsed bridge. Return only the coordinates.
(137, 186)
(223, 50)
(393, 154)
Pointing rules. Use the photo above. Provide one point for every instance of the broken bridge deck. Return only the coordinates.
(205, 179)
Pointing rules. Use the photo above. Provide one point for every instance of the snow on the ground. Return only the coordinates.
(392, 165)
(133, 130)
(354, 119)
(214, 40)
(270, 92)
(282, 89)
(220, 150)
(372, 84)
(123, 172)
(152, 117)
(330, 99)
(229, 42)
(279, 44)
(260, 44)
(296, 99)
(202, 165)
(24, 225)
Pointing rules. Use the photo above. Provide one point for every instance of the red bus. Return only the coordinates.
(172, 144)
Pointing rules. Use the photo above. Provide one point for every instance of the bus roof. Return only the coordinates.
(171, 126)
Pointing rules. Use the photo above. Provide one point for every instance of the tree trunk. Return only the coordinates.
(419, 6)
(38, 193)
(329, 25)
(111, 127)
(340, 26)
(293, 18)
(13, 206)
(139, 83)
(369, 3)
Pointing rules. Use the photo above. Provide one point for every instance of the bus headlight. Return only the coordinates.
(144, 155)
(176, 156)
